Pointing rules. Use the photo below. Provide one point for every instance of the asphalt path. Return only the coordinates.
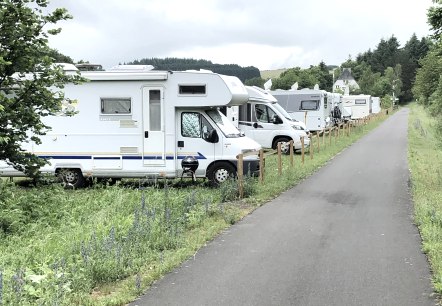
(344, 236)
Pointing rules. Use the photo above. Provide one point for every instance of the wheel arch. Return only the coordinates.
(212, 164)
(278, 137)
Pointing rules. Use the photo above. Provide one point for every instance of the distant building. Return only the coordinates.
(345, 82)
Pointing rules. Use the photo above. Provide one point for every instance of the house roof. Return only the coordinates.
(346, 75)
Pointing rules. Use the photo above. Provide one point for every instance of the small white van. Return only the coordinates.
(266, 122)
(306, 105)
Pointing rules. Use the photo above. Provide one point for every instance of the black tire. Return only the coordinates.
(72, 178)
(220, 172)
(285, 147)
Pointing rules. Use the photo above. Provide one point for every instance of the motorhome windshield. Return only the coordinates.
(224, 124)
(282, 111)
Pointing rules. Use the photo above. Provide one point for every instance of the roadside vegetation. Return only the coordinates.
(425, 161)
(106, 244)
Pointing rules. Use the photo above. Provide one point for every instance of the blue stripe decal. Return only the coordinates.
(132, 157)
(126, 157)
(65, 157)
(199, 156)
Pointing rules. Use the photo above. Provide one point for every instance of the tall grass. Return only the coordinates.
(425, 161)
(105, 245)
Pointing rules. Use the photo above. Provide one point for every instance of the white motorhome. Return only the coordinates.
(359, 105)
(376, 105)
(305, 105)
(138, 124)
(266, 122)
(336, 107)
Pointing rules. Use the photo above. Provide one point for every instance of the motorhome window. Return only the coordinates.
(261, 113)
(206, 128)
(264, 113)
(360, 101)
(309, 105)
(244, 112)
(192, 89)
(223, 123)
(155, 110)
(111, 106)
(190, 125)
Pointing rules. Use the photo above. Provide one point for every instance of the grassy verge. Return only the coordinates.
(425, 161)
(106, 245)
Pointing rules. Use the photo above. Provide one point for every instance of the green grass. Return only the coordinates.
(425, 161)
(106, 245)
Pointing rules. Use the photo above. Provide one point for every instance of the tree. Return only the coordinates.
(180, 64)
(255, 82)
(427, 77)
(435, 18)
(306, 78)
(30, 83)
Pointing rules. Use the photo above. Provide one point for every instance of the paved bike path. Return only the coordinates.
(344, 236)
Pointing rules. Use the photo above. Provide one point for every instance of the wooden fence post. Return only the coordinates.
(323, 136)
(336, 133)
(261, 166)
(329, 135)
(317, 135)
(312, 146)
(279, 159)
(302, 149)
(292, 151)
(240, 172)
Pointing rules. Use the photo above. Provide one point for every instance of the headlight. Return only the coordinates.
(297, 127)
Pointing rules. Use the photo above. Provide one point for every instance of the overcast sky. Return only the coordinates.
(267, 34)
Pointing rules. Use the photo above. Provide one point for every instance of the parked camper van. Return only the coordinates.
(133, 123)
(335, 106)
(306, 105)
(359, 105)
(376, 105)
(266, 122)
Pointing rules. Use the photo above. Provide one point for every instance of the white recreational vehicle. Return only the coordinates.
(266, 122)
(359, 106)
(305, 105)
(138, 124)
(336, 107)
(376, 105)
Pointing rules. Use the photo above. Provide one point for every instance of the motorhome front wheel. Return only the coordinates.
(72, 178)
(285, 145)
(220, 172)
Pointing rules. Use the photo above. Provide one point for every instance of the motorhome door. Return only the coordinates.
(153, 127)
(192, 139)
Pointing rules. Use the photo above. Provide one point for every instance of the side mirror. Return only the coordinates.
(276, 120)
(212, 136)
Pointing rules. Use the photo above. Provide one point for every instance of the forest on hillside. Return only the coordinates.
(181, 64)
(385, 70)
